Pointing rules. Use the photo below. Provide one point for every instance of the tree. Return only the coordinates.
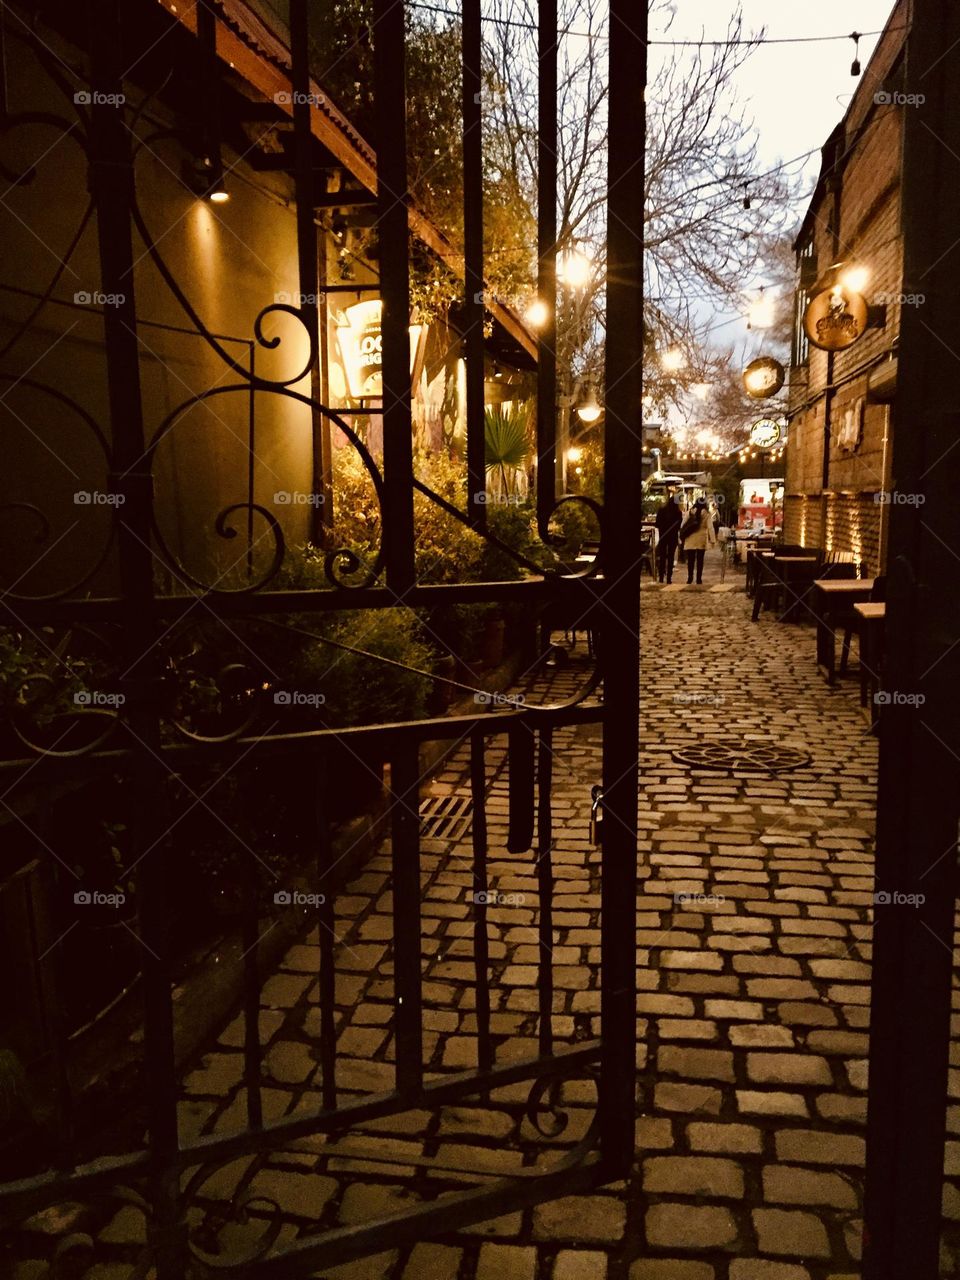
(710, 217)
(343, 62)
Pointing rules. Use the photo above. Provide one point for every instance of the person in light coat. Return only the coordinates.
(696, 535)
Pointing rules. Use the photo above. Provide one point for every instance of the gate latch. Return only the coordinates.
(596, 815)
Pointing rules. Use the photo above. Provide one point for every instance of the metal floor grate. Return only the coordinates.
(755, 757)
(445, 817)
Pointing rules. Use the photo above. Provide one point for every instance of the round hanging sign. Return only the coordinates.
(763, 377)
(835, 319)
(765, 433)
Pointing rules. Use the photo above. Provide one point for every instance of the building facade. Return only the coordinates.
(218, 289)
(839, 456)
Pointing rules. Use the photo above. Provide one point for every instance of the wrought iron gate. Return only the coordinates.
(138, 741)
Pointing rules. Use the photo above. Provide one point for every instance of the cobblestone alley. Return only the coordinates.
(753, 950)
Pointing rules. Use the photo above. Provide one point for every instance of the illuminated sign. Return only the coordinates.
(763, 377)
(765, 433)
(361, 347)
(835, 318)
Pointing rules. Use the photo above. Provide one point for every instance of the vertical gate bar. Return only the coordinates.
(473, 259)
(389, 64)
(4, 109)
(917, 821)
(521, 756)
(405, 836)
(326, 931)
(111, 179)
(547, 38)
(620, 622)
(250, 939)
(481, 945)
(251, 458)
(308, 267)
(322, 443)
(65, 1107)
(545, 887)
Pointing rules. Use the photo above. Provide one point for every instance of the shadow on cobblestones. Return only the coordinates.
(753, 949)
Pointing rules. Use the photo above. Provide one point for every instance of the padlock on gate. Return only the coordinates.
(596, 814)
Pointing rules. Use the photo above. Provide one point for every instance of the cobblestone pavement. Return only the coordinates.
(753, 949)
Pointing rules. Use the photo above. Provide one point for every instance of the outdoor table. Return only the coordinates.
(831, 598)
(870, 619)
(793, 574)
(754, 556)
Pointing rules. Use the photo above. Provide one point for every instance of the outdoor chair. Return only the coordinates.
(648, 553)
(878, 595)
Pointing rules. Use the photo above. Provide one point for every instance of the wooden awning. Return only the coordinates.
(262, 57)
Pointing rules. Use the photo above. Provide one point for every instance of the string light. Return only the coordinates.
(694, 44)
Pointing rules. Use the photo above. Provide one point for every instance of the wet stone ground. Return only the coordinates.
(753, 955)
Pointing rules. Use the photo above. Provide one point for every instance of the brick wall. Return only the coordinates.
(841, 513)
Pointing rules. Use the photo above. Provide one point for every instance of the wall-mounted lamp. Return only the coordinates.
(218, 193)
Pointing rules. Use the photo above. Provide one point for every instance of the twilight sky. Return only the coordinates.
(795, 93)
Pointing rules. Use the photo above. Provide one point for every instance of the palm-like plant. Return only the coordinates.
(507, 446)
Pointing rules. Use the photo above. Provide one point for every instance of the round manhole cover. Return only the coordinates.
(752, 757)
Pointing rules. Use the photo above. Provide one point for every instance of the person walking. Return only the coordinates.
(669, 519)
(696, 536)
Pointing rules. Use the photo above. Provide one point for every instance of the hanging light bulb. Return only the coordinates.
(855, 65)
(573, 268)
(538, 313)
(590, 410)
(673, 360)
(760, 314)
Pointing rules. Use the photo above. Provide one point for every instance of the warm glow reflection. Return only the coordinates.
(538, 313)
